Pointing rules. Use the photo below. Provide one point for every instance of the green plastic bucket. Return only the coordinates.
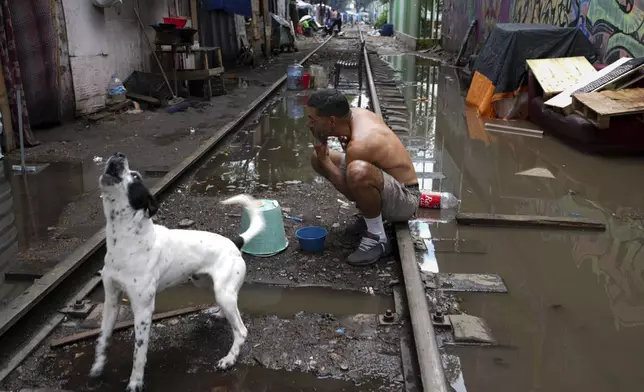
(272, 239)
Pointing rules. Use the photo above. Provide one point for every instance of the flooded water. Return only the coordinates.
(262, 299)
(31, 204)
(272, 154)
(574, 316)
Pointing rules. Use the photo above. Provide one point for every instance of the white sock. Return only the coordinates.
(375, 226)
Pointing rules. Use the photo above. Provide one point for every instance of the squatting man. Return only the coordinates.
(375, 170)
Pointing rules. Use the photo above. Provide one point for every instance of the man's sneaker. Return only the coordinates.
(369, 251)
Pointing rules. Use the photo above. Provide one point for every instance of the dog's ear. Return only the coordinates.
(153, 206)
(140, 198)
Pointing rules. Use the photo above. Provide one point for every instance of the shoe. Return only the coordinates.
(369, 251)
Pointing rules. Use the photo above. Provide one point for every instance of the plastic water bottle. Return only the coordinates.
(115, 89)
(442, 200)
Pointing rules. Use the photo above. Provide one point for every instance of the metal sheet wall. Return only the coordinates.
(218, 29)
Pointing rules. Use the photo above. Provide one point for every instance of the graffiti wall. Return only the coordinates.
(616, 27)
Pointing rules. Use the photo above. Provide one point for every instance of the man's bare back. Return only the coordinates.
(371, 137)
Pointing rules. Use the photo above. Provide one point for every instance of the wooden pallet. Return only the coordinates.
(563, 101)
(556, 75)
(598, 107)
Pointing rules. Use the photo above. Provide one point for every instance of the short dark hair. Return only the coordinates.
(329, 103)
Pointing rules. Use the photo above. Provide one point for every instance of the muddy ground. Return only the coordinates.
(304, 352)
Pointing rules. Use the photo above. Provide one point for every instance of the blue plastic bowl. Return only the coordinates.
(312, 238)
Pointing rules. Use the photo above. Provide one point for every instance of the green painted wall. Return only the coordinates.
(405, 16)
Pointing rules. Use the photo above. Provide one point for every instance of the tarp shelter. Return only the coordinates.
(239, 7)
(500, 69)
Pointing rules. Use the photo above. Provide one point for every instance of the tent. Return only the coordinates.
(500, 69)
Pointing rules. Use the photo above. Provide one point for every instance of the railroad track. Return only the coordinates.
(387, 100)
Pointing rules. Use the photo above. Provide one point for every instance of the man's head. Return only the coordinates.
(328, 112)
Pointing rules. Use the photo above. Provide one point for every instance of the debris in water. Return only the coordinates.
(98, 159)
(192, 131)
(537, 172)
(340, 331)
(335, 225)
(292, 182)
(275, 148)
(208, 187)
(185, 223)
(575, 214)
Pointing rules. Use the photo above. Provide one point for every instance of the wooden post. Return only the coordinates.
(267, 28)
(5, 109)
(194, 11)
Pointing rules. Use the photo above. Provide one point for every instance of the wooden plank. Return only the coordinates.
(555, 75)
(125, 324)
(563, 101)
(199, 74)
(194, 12)
(7, 132)
(529, 221)
(144, 98)
(513, 125)
(613, 102)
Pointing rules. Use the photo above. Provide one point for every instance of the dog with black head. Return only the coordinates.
(144, 258)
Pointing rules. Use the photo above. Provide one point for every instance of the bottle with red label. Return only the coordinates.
(442, 200)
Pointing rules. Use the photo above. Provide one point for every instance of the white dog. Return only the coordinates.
(143, 258)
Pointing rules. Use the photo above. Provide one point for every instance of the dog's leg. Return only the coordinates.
(142, 308)
(226, 295)
(110, 314)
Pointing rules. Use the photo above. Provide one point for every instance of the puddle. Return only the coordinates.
(263, 300)
(574, 315)
(171, 369)
(274, 154)
(31, 203)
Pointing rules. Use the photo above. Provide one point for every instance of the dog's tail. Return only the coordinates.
(256, 218)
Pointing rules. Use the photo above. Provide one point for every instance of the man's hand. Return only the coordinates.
(344, 142)
(322, 152)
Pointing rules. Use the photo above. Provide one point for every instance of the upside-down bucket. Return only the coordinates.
(272, 239)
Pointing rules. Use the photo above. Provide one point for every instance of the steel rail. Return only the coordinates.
(20, 306)
(429, 359)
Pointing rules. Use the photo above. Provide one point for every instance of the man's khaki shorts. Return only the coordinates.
(399, 201)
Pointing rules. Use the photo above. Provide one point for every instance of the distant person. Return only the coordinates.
(336, 16)
(374, 170)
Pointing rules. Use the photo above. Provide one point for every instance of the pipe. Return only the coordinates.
(21, 131)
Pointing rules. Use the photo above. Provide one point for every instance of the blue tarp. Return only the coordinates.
(239, 7)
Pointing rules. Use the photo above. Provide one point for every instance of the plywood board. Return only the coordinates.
(529, 221)
(556, 75)
(563, 101)
(614, 102)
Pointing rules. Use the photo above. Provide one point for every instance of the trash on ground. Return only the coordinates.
(443, 200)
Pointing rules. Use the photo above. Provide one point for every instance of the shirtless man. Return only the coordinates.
(375, 170)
